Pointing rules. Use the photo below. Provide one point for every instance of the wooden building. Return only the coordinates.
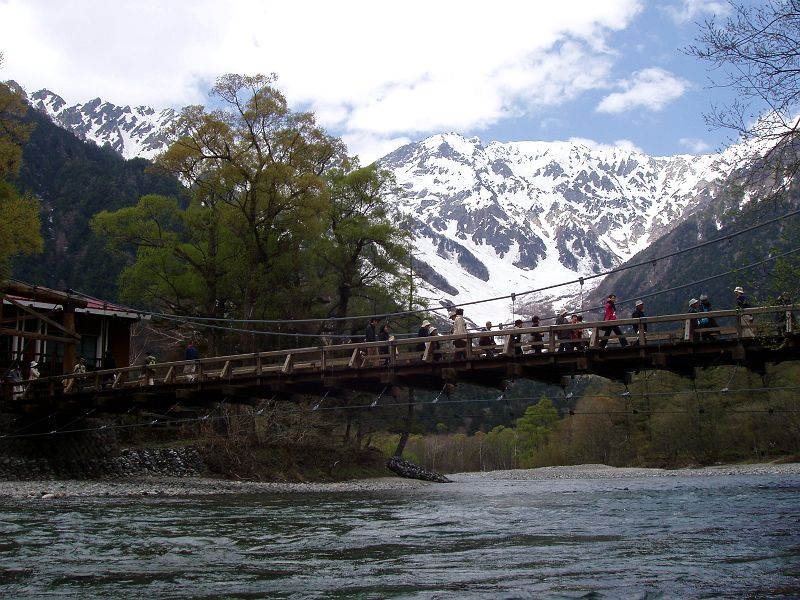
(56, 329)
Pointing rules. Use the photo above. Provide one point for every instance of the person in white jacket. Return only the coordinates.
(459, 328)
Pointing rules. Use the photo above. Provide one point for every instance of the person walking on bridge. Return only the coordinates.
(486, 342)
(191, 354)
(563, 334)
(536, 337)
(371, 335)
(459, 328)
(705, 322)
(611, 315)
(746, 320)
(424, 331)
(638, 313)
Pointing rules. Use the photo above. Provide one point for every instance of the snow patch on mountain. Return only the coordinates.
(513, 217)
(130, 131)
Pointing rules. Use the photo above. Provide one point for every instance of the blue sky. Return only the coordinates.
(382, 74)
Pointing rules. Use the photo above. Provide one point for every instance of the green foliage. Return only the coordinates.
(74, 180)
(20, 226)
(658, 420)
(535, 427)
(281, 225)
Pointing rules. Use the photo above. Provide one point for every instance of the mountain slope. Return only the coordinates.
(491, 220)
(138, 132)
(75, 180)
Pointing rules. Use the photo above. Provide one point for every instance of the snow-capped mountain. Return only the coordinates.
(508, 218)
(131, 132)
(490, 220)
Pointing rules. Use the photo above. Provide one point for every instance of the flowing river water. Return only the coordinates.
(482, 536)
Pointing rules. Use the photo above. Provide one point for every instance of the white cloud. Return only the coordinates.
(373, 72)
(621, 144)
(695, 145)
(689, 10)
(651, 88)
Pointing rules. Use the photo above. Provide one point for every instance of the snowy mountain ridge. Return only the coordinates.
(518, 216)
(490, 220)
(131, 132)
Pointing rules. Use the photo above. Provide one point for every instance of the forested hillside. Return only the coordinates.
(75, 180)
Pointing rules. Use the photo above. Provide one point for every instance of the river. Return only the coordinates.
(483, 536)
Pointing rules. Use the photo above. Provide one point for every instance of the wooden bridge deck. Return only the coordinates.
(673, 344)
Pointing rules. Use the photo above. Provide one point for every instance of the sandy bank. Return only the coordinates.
(198, 486)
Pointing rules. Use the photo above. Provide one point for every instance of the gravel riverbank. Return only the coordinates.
(199, 486)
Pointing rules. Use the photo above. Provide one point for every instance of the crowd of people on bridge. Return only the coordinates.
(571, 333)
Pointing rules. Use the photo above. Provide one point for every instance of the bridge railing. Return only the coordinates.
(663, 329)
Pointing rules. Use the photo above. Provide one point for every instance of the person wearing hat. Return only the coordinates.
(746, 320)
(435, 346)
(33, 374)
(486, 342)
(611, 315)
(459, 328)
(694, 324)
(424, 331)
(706, 322)
(638, 313)
(563, 334)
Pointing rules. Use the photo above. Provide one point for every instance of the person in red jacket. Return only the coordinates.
(611, 315)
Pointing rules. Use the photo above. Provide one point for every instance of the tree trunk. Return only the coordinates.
(401, 445)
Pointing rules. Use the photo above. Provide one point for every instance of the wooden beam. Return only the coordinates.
(37, 336)
(41, 317)
(41, 294)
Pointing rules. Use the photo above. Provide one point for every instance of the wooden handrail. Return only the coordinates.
(323, 358)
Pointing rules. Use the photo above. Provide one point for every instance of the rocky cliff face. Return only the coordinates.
(131, 132)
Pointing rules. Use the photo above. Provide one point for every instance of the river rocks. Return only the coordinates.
(408, 469)
(128, 462)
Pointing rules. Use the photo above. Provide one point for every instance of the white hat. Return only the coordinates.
(426, 323)
(639, 303)
(33, 363)
(693, 301)
(738, 290)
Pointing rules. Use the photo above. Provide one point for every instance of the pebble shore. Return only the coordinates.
(199, 486)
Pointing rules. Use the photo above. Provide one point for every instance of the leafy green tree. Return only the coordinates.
(535, 426)
(20, 225)
(265, 164)
(281, 225)
(362, 251)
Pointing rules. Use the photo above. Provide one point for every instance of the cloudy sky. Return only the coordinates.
(382, 74)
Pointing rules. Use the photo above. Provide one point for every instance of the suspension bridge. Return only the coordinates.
(751, 338)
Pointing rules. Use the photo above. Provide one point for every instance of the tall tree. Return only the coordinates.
(363, 248)
(20, 225)
(756, 52)
(282, 224)
(266, 164)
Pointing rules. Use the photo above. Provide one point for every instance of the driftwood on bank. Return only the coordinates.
(407, 469)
